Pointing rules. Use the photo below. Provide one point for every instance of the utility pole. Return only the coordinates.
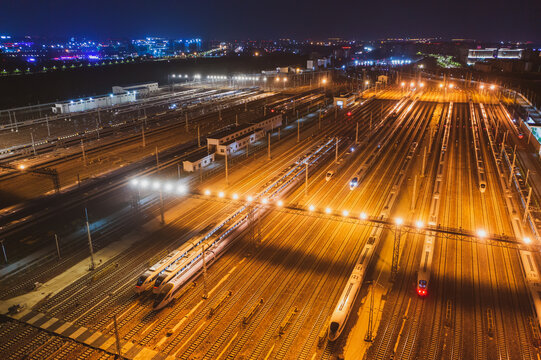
(268, 145)
(412, 207)
(226, 168)
(512, 167)
(143, 135)
(186, 115)
(83, 151)
(298, 131)
(424, 162)
(4, 251)
(357, 133)
(198, 137)
(117, 337)
(237, 119)
(396, 253)
(157, 160)
(306, 181)
(48, 130)
(205, 290)
(92, 266)
(57, 247)
(33, 144)
(527, 207)
(336, 151)
(370, 128)
(278, 134)
(178, 170)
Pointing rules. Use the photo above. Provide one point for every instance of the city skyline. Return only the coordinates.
(264, 20)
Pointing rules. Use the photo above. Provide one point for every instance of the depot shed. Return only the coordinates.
(197, 161)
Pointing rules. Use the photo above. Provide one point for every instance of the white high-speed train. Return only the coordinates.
(341, 313)
(169, 272)
(146, 280)
(216, 242)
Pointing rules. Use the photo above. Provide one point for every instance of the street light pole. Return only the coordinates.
(396, 253)
(269, 146)
(92, 266)
(4, 251)
(57, 247)
(143, 134)
(306, 181)
(336, 151)
(226, 168)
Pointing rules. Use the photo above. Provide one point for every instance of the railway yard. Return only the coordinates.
(397, 227)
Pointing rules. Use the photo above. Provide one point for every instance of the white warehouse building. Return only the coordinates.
(93, 103)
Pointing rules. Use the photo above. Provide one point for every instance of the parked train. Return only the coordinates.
(148, 278)
(349, 294)
(479, 163)
(369, 162)
(217, 241)
(425, 266)
(340, 314)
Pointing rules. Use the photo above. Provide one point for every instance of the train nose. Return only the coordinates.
(333, 331)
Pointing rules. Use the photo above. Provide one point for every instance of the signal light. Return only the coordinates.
(349, 113)
(272, 110)
(421, 292)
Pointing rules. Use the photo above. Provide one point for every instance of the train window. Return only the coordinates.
(141, 280)
(422, 283)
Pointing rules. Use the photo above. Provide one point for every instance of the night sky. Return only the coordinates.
(261, 19)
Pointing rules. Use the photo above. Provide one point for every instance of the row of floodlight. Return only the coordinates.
(182, 189)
